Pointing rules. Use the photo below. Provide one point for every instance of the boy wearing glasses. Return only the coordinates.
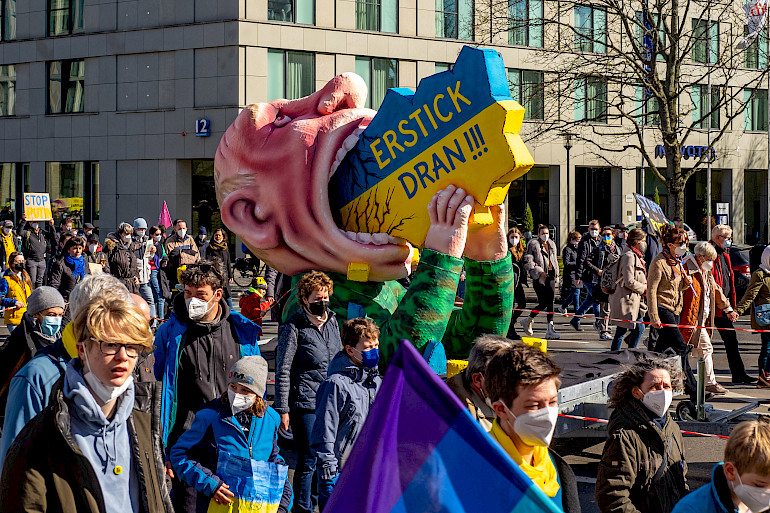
(194, 351)
(100, 451)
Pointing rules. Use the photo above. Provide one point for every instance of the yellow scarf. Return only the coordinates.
(68, 339)
(542, 472)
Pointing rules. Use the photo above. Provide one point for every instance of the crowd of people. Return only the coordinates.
(143, 411)
(631, 279)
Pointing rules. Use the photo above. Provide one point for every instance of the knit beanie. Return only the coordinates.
(250, 372)
(43, 298)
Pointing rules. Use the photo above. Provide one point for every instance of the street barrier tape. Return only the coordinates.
(748, 330)
(605, 421)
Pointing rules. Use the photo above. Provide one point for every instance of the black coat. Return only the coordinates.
(570, 256)
(586, 246)
(223, 257)
(121, 258)
(61, 276)
(303, 355)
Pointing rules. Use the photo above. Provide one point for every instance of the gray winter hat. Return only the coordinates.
(251, 372)
(43, 298)
(140, 224)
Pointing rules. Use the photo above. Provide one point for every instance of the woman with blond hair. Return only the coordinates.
(307, 342)
(517, 247)
(92, 449)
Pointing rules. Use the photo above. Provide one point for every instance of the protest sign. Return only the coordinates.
(652, 212)
(37, 206)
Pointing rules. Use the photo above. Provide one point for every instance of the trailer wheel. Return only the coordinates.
(686, 411)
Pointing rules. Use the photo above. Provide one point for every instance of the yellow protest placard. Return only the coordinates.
(37, 206)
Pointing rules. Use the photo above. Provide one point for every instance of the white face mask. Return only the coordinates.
(102, 391)
(727, 243)
(681, 250)
(181, 233)
(514, 241)
(535, 428)
(544, 237)
(658, 401)
(139, 233)
(240, 402)
(156, 238)
(593, 233)
(127, 237)
(707, 265)
(198, 308)
(755, 498)
(92, 248)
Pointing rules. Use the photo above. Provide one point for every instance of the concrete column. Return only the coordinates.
(557, 214)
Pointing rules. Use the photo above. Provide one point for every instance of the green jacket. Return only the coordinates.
(643, 468)
(45, 470)
(758, 292)
(425, 311)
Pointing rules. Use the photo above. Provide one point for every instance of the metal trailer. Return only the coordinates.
(588, 398)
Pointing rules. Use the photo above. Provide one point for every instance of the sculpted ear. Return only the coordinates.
(241, 214)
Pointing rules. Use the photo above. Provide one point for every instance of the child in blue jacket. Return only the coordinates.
(230, 453)
(742, 481)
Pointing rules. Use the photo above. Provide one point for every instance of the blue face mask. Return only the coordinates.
(370, 358)
(50, 326)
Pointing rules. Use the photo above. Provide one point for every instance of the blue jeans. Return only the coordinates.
(325, 487)
(764, 352)
(157, 294)
(301, 426)
(572, 297)
(588, 301)
(632, 340)
(146, 292)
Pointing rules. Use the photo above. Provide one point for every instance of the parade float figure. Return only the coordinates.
(322, 183)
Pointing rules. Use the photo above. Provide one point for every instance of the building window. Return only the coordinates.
(442, 66)
(591, 28)
(647, 114)
(66, 83)
(8, 90)
(454, 19)
(701, 105)
(527, 88)
(378, 15)
(755, 115)
(65, 17)
(645, 33)
(705, 48)
(7, 20)
(756, 55)
(292, 11)
(379, 75)
(525, 22)
(290, 75)
(14, 181)
(591, 99)
(74, 191)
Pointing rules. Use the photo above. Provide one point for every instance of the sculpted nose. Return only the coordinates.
(345, 91)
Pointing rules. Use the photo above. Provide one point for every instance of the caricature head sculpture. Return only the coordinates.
(309, 184)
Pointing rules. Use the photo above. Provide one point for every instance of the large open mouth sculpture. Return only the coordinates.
(321, 183)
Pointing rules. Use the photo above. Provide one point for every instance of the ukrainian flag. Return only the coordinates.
(257, 485)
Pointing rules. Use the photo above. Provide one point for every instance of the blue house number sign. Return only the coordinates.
(202, 128)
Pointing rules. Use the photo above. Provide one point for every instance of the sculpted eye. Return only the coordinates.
(281, 120)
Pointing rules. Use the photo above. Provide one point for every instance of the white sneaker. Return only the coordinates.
(551, 333)
(526, 325)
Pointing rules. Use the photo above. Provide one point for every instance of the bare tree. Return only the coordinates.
(621, 74)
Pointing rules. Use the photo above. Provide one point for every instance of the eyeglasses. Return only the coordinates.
(113, 348)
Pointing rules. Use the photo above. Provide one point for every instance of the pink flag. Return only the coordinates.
(165, 217)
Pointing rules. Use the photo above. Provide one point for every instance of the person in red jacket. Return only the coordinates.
(254, 306)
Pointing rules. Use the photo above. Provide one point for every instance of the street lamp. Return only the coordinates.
(568, 146)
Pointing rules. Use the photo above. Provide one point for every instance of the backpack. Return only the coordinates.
(609, 279)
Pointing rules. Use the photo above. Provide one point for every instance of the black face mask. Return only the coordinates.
(318, 308)
(18, 267)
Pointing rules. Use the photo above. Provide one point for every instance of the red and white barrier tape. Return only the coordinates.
(748, 330)
(605, 421)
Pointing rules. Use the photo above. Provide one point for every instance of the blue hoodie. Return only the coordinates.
(104, 442)
(342, 404)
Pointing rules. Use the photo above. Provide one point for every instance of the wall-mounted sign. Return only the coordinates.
(687, 152)
(723, 213)
(202, 128)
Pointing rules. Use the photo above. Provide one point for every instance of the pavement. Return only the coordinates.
(584, 454)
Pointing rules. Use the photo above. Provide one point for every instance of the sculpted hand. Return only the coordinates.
(487, 243)
(449, 211)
